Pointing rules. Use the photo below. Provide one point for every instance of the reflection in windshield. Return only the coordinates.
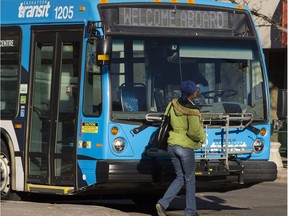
(146, 75)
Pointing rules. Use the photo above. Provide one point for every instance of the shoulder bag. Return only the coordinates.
(162, 133)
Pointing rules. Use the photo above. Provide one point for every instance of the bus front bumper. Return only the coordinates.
(162, 171)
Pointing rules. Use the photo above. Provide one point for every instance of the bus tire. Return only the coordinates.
(5, 169)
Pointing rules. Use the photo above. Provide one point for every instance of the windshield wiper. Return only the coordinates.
(151, 119)
(253, 129)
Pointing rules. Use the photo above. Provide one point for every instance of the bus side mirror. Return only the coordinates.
(103, 50)
(282, 104)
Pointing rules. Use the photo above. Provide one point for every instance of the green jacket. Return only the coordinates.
(187, 126)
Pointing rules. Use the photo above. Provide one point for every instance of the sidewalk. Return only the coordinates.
(16, 208)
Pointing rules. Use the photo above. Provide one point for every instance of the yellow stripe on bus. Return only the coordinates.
(65, 190)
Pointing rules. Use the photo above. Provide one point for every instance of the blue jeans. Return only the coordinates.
(184, 164)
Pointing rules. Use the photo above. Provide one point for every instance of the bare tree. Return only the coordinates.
(263, 19)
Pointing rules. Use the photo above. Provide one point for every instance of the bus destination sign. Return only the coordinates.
(9, 43)
(172, 18)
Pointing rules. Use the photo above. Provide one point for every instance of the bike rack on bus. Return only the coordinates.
(214, 155)
(220, 120)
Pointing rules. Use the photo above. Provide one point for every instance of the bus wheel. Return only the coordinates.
(5, 172)
(5, 176)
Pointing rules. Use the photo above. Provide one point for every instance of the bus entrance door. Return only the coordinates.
(56, 64)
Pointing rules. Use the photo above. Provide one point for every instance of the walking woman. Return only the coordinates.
(186, 136)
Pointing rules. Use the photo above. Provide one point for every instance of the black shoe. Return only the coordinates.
(160, 210)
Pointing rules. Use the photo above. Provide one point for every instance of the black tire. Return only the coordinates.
(5, 170)
(260, 171)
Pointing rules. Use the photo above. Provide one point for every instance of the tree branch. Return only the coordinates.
(256, 13)
(268, 19)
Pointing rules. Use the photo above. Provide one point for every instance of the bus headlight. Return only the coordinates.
(118, 145)
(258, 145)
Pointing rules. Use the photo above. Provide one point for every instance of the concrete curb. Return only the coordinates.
(281, 162)
(282, 171)
(282, 174)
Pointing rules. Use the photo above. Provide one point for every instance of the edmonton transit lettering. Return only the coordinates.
(168, 18)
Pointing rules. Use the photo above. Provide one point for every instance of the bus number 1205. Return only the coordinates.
(64, 12)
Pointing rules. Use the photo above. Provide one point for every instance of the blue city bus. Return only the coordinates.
(84, 85)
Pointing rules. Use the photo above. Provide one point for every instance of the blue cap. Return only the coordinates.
(187, 88)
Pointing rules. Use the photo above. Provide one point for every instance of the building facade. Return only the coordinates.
(272, 25)
(271, 19)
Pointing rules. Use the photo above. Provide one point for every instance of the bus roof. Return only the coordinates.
(15, 12)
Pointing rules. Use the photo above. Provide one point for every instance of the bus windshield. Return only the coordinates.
(145, 75)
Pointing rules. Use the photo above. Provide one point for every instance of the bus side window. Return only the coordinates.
(256, 94)
(93, 90)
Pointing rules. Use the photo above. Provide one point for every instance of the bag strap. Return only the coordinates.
(167, 112)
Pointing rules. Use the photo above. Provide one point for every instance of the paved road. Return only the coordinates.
(264, 199)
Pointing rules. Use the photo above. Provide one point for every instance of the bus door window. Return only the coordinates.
(67, 106)
(57, 61)
(41, 108)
